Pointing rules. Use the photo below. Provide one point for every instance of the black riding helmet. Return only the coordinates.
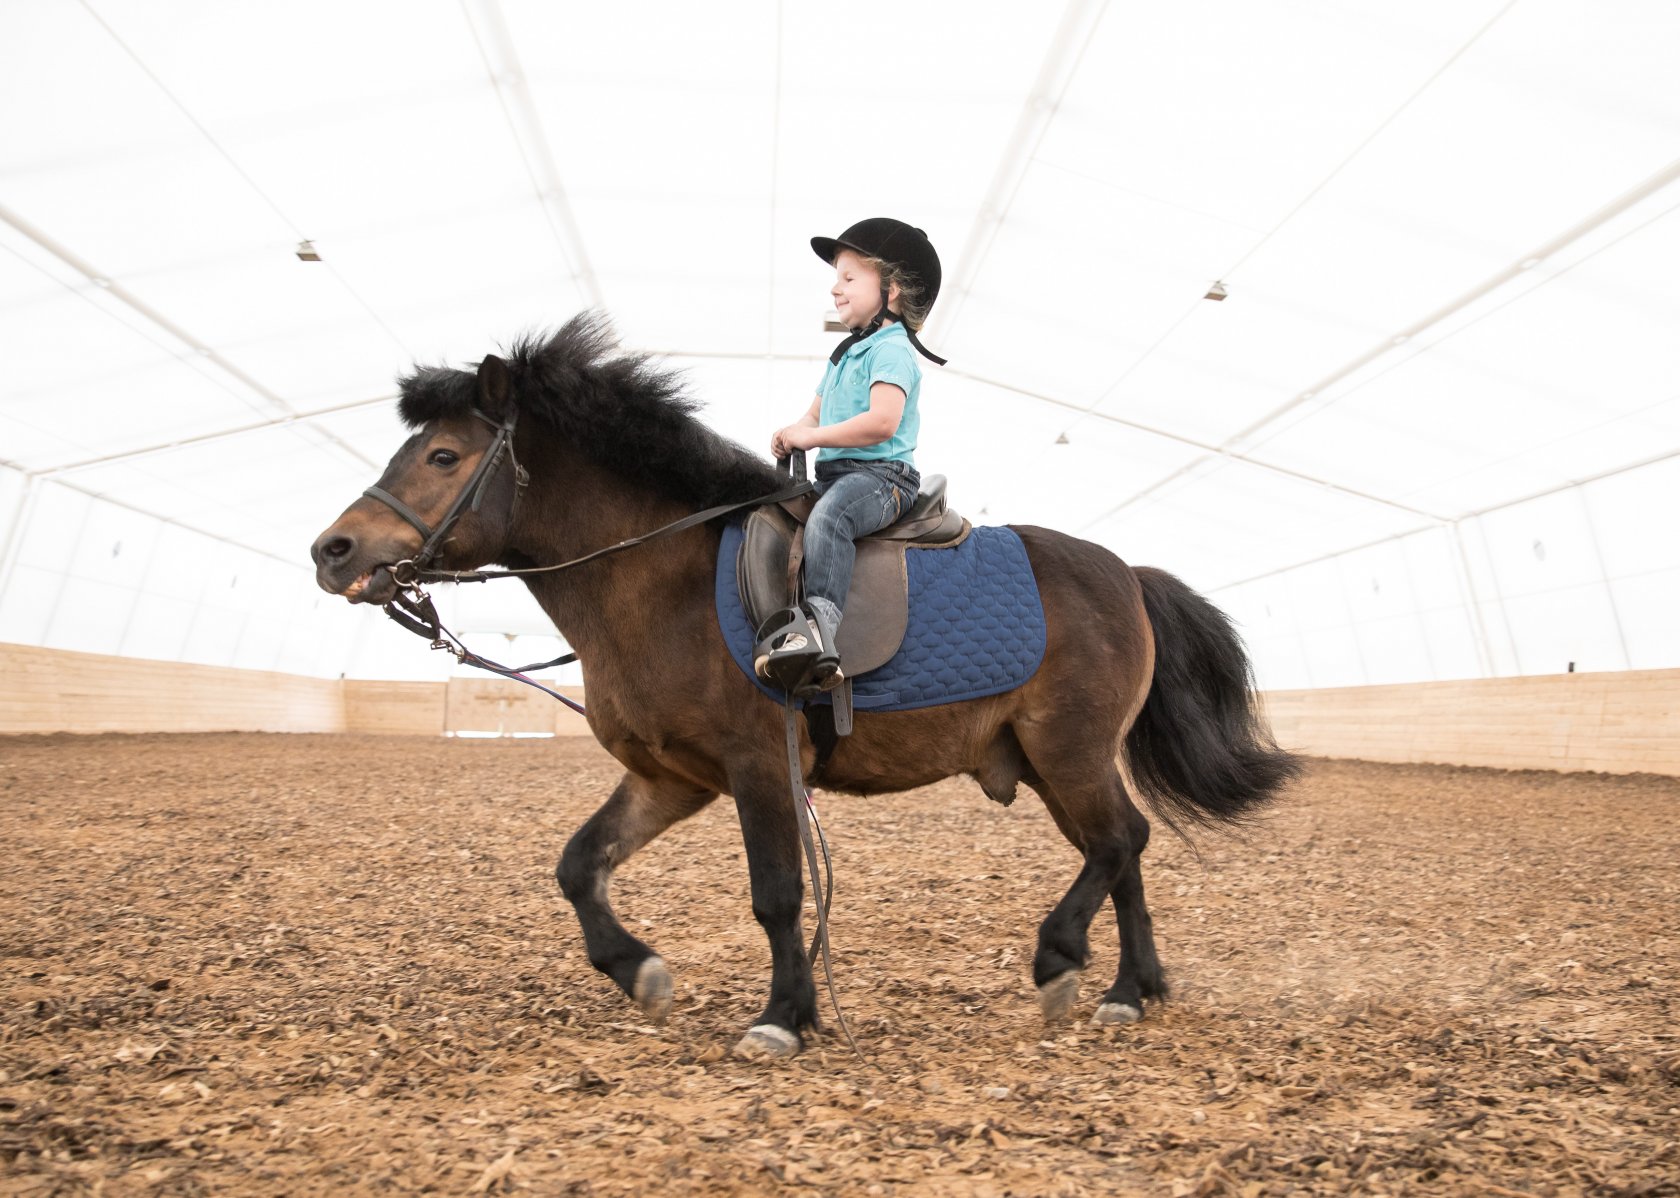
(891, 241)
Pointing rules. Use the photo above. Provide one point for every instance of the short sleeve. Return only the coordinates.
(895, 363)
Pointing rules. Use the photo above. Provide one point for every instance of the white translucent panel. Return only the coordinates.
(1225, 521)
(1451, 636)
(740, 400)
(1576, 624)
(374, 431)
(1543, 545)
(1555, 385)
(113, 545)
(88, 616)
(273, 490)
(13, 486)
(1072, 296)
(1240, 110)
(1331, 654)
(1394, 649)
(1068, 486)
(1431, 571)
(498, 608)
(157, 626)
(28, 602)
(1377, 583)
(54, 527)
(1636, 519)
(977, 435)
(1646, 605)
(1279, 663)
(214, 634)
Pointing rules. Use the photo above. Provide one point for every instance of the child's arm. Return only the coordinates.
(780, 447)
(886, 409)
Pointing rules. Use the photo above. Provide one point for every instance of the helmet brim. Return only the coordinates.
(828, 248)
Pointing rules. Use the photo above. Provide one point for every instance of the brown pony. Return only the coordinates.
(1136, 664)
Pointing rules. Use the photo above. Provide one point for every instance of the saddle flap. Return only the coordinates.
(877, 607)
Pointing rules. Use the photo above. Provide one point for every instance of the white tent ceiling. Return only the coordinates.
(1447, 230)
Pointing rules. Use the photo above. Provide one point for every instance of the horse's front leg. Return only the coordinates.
(639, 809)
(770, 829)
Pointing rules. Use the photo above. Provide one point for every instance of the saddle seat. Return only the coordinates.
(877, 607)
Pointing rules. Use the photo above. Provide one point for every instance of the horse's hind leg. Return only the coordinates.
(1095, 814)
(639, 809)
(1139, 976)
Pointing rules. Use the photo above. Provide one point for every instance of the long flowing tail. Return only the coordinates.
(1200, 750)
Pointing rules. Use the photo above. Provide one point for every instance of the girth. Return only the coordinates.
(877, 607)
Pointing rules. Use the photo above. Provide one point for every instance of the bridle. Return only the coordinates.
(410, 570)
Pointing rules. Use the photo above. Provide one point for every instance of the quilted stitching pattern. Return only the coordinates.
(976, 625)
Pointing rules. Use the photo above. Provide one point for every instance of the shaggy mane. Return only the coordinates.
(626, 414)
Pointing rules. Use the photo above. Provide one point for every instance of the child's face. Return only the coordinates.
(856, 291)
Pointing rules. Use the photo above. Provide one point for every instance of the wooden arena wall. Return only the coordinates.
(1625, 722)
(1619, 723)
(54, 690)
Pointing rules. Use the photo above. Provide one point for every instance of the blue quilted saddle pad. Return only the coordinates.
(976, 625)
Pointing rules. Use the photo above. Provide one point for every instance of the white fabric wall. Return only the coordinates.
(84, 574)
(1588, 575)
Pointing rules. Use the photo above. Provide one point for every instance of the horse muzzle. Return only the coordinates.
(344, 567)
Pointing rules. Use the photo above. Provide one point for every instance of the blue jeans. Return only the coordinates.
(854, 498)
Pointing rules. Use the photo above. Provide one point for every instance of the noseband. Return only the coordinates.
(407, 571)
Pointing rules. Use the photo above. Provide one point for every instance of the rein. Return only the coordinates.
(412, 608)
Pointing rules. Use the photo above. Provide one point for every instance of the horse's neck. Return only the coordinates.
(600, 605)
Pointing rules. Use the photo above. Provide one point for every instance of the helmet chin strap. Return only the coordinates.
(874, 327)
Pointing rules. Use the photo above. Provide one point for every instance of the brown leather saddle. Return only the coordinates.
(877, 607)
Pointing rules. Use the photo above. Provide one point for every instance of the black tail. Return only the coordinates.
(1200, 750)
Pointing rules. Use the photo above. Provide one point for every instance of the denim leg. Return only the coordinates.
(854, 504)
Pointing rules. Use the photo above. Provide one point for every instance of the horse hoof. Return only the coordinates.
(1057, 996)
(1114, 1014)
(653, 989)
(767, 1042)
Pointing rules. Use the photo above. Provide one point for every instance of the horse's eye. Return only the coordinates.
(443, 457)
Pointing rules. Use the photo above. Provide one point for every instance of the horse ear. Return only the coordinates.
(495, 387)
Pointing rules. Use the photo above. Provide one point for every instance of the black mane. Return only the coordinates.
(623, 412)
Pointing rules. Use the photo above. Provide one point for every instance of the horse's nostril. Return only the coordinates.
(338, 548)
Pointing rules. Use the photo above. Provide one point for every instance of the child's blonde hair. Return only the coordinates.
(912, 308)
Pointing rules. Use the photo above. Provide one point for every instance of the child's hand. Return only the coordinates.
(785, 440)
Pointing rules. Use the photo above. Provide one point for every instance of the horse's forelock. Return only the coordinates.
(435, 393)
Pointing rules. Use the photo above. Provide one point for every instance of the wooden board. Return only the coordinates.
(54, 690)
(1625, 722)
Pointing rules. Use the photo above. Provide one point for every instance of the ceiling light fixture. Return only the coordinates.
(306, 252)
(1217, 291)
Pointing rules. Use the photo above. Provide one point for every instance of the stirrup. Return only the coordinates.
(792, 656)
(787, 649)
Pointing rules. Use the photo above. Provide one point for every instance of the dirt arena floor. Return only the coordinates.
(295, 965)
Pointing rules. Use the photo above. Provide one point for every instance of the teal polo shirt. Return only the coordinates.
(883, 357)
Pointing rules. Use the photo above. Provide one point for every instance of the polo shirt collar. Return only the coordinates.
(895, 329)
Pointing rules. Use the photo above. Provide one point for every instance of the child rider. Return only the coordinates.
(864, 419)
